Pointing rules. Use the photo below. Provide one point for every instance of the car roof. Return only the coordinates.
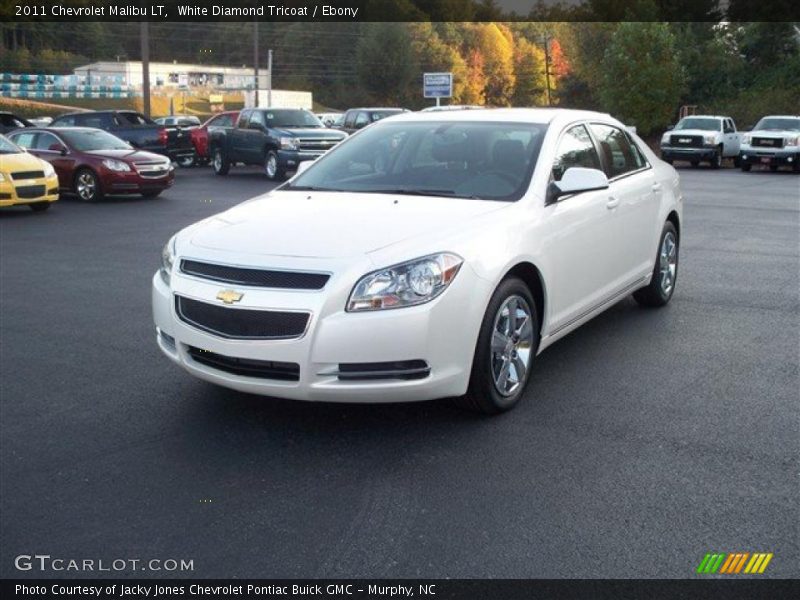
(781, 117)
(510, 115)
(378, 108)
(705, 117)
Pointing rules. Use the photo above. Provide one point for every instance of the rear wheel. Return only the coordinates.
(220, 162)
(87, 186)
(507, 343)
(665, 271)
(773, 168)
(40, 206)
(272, 166)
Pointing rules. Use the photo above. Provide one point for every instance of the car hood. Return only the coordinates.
(128, 155)
(311, 132)
(774, 133)
(692, 132)
(332, 225)
(20, 161)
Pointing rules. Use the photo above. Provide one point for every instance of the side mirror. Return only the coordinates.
(670, 127)
(575, 181)
(303, 166)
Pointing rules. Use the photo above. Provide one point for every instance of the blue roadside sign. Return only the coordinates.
(437, 85)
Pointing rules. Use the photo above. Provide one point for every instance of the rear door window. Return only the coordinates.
(617, 155)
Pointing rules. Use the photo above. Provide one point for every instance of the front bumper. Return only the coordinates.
(442, 333)
(133, 183)
(10, 196)
(690, 154)
(764, 156)
(289, 159)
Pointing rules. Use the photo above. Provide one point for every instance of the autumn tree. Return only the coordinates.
(531, 82)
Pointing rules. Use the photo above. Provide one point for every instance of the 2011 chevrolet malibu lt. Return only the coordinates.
(430, 255)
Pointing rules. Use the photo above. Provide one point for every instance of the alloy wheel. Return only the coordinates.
(512, 345)
(272, 165)
(86, 186)
(668, 262)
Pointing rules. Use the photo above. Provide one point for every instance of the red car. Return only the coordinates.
(93, 163)
(200, 136)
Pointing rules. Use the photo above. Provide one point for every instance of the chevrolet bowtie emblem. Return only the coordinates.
(229, 296)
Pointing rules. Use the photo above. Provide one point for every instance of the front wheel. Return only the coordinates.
(507, 343)
(187, 162)
(716, 160)
(737, 162)
(87, 186)
(665, 271)
(220, 162)
(746, 167)
(272, 166)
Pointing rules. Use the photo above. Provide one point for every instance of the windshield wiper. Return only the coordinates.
(410, 192)
(309, 188)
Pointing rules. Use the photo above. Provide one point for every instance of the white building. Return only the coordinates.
(172, 75)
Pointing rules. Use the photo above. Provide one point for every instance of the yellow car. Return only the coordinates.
(25, 179)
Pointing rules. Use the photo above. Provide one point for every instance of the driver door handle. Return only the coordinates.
(613, 202)
(656, 187)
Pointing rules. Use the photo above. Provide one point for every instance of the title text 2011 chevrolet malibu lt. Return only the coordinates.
(430, 255)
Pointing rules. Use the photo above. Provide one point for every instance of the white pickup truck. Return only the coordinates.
(702, 138)
(774, 142)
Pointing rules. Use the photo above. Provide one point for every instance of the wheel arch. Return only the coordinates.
(532, 276)
(673, 218)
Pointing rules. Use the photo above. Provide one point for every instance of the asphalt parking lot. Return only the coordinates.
(647, 438)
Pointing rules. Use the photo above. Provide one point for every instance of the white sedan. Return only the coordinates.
(431, 255)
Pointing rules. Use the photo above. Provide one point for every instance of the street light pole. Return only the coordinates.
(547, 67)
(255, 58)
(145, 43)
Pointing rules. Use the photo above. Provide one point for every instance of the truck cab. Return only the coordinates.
(702, 138)
(277, 139)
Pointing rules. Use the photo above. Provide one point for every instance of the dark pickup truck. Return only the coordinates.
(10, 122)
(136, 129)
(277, 139)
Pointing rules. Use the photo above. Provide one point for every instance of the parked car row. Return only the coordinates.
(774, 142)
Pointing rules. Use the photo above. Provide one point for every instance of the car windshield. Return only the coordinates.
(478, 160)
(292, 118)
(699, 123)
(778, 124)
(88, 140)
(7, 147)
(382, 114)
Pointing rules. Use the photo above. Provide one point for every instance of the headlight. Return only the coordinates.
(49, 171)
(116, 165)
(665, 138)
(288, 143)
(746, 139)
(167, 260)
(710, 140)
(795, 141)
(407, 284)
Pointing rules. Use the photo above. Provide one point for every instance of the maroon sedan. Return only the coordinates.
(93, 163)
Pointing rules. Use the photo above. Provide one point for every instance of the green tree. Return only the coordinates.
(529, 65)
(384, 62)
(642, 78)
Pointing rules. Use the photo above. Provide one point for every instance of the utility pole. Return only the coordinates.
(145, 40)
(255, 58)
(547, 67)
(269, 78)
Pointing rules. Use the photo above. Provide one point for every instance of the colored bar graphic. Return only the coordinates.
(733, 563)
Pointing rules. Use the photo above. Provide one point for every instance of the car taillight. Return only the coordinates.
(162, 137)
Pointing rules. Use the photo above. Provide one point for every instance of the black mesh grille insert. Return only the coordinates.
(247, 367)
(31, 191)
(694, 141)
(27, 175)
(400, 369)
(241, 323)
(289, 280)
(768, 142)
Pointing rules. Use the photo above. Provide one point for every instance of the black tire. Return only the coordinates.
(187, 162)
(716, 160)
(40, 206)
(87, 186)
(773, 168)
(151, 194)
(737, 162)
(272, 166)
(746, 167)
(657, 293)
(483, 394)
(220, 162)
